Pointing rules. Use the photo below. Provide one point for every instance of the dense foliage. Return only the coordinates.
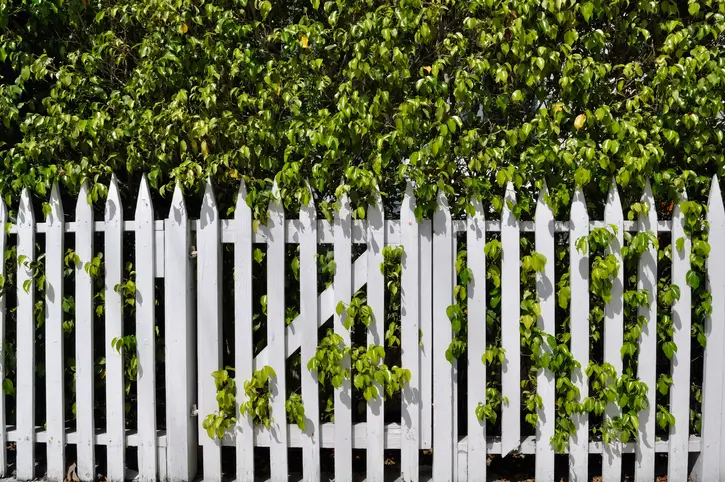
(469, 93)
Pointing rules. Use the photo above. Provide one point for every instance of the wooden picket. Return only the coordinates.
(682, 322)
(476, 241)
(54, 352)
(343, 292)
(646, 370)
(115, 403)
(180, 340)
(244, 363)
(209, 324)
(712, 467)
(276, 337)
(443, 261)
(410, 343)
(545, 281)
(510, 313)
(579, 326)
(614, 327)
(25, 411)
(175, 247)
(309, 310)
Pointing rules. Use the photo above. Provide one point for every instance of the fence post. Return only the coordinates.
(146, 334)
(310, 315)
(426, 333)
(579, 325)
(244, 349)
(276, 327)
(443, 256)
(25, 408)
(343, 293)
(545, 281)
(713, 468)
(510, 336)
(681, 336)
(376, 336)
(614, 330)
(646, 368)
(475, 245)
(209, 325)
(54, 353)
(181, 429)
(410, 349)
(115, 394)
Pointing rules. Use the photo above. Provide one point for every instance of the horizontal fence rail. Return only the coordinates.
(128, 340)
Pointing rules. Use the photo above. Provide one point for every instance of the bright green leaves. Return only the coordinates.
(216, 424)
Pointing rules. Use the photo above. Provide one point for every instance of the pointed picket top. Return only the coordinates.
(82, 205)
(613, 208)
(308, 212)
(409, 203)
(242, 212)
(510, 194)
(344, 210)
(25, 212)
(442, 213)
(507, 216)
(114, 208)
(178, 215)
(55, 215)
(209, 208)
(276, 201)
(579, 207)
(715, 208)
(144, 205)
(543, 210)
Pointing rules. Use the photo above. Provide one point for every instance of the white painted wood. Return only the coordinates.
(275, 336)
(376, 336)
(310, 316)
(646, 367)
(712, 383)
(614, 329)
(677, 467)
(54, 353)
(3, 321)
(579, 325)
(25, 386)
(510, 314)
(343, 293)
(209, 325)
(326, 305)
(426, 333)
(146, 334)
(545, 285)
(443, 255)
(244, 348)
(84, 328)
(115, 400)
(476, 241)
(410, 347)
(181, 428)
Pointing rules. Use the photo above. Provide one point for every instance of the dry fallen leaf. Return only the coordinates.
(305, 41)
(579, 121)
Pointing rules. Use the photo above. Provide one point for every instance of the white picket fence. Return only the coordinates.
(193, 317)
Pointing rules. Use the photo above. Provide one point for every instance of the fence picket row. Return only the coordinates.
(169, 431)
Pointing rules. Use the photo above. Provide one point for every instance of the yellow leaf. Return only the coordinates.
(204, 149)
(579, 121)
(234, 174)
(183, 28)
(427, 68)
(557, 107)
(305, 41)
